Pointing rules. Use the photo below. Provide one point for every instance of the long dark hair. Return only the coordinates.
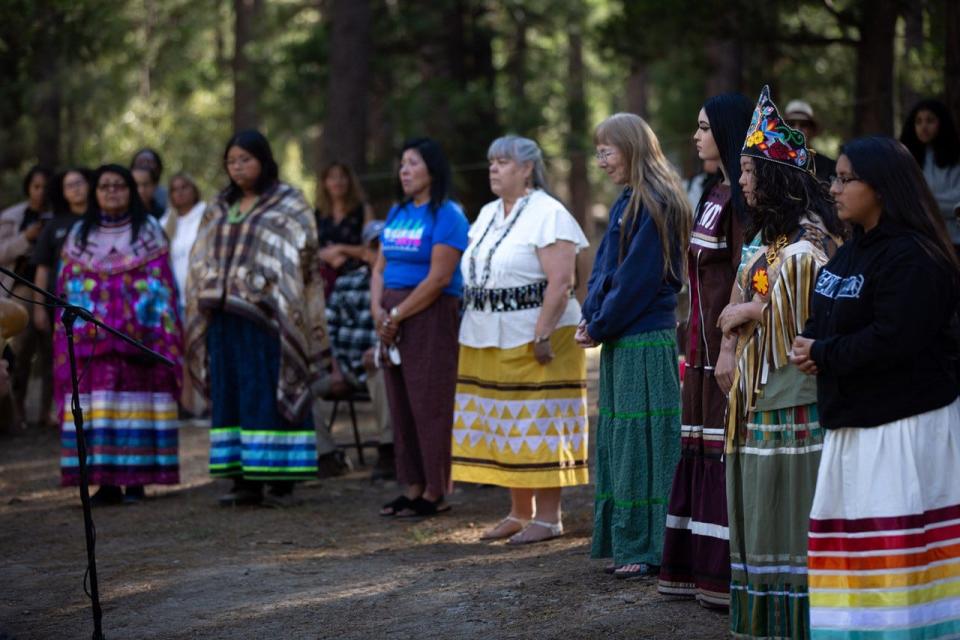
(58, 202)
(35, 170)
(890, 170)
(136, 209)
(437, 166)
(784, 195)
(729, 115)
(946, 144)
(256, 144)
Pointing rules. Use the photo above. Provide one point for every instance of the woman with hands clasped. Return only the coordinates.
(773, 436)
(415, 290)
(521, 406)
(630, 309)
(884, 545)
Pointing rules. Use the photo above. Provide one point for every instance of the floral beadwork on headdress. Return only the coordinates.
(770, 138)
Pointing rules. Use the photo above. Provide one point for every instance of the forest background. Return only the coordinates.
(88, 81)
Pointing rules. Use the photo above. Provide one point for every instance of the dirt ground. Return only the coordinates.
(178, 566)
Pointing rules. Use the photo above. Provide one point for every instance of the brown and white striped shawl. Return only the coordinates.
(266, 269)
(765, 346)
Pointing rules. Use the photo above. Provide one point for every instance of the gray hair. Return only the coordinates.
(521, 151)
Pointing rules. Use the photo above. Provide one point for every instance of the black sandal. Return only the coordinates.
(422, 508)
(395, 506)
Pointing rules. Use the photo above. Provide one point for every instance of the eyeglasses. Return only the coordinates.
(604, 155)
(112, 186)
(841, 181)
(74, 184)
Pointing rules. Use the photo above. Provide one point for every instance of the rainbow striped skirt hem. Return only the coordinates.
(884, 540)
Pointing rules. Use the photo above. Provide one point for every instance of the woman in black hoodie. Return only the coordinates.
(884, 542)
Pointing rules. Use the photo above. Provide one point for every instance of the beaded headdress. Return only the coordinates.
(770, 138)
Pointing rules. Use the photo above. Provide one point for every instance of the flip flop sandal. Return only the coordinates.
(555, 529)
(632, 570)
(519, 521)
(395, 506)
(423, 508)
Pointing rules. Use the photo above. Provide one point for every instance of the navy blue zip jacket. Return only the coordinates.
(633, 296)
(881, 317)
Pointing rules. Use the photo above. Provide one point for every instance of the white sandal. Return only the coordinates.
(519, 521)
(555, 529)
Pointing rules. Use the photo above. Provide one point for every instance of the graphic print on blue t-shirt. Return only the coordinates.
(408, 238)
(407, 235)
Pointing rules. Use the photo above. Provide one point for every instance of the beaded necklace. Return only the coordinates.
(473, 254)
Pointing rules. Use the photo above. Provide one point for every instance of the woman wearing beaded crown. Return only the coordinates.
(630, 309)
(521, 404)
(773, 436)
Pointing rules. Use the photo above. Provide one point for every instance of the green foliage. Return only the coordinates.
(134, 73)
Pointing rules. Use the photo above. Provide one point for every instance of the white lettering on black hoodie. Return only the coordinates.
(882, 318)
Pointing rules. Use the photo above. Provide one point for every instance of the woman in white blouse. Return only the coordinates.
(521, 414)
(181, 222)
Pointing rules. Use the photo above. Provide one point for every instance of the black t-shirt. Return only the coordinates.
(47, 250)
(347, 231)
(23, 266)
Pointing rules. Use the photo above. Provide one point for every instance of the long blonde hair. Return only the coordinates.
(656, 187)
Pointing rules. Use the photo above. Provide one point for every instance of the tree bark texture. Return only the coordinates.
(246, 14)
(345, 128)
(874, 92)
(725, 57)
(578, 181)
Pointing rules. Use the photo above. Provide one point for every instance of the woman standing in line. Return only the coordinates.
(415, 291)
(256, 328)
(69, 196)
(520, 418)
(181, 223)
(696, 548)
(931, 136)
(116, 265)
(773, 434)
(884, 544)
(342, 211)
(630, 310)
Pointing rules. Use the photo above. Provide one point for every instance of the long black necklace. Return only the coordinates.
(487, 265)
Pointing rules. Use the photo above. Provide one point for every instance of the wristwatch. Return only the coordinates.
(541, 339)
(395, 314)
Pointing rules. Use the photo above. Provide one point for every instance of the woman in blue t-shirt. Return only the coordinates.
(415, 293)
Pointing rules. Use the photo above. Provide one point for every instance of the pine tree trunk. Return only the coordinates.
(246, 13)
(873, 98)
(47, 103)
(726, 59)
(578, 181)
(637, 89)
(344, 137)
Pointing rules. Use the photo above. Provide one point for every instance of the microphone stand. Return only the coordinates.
(70, 314)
